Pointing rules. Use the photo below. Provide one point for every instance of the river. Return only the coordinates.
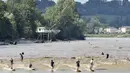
(116, 47)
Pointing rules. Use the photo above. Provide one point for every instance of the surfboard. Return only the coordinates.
(90, 70)
(73, 68)
(9, 69)
(30, 68)
(78, 70)
(52, 70)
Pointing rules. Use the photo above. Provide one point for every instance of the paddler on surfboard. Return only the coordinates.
(21, 56)
(78, 66)
(11, 63)
(30, 66)
(52, 64)
(91, 65)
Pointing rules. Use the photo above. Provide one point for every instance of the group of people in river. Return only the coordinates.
(91, 63)
(52, 63)
(30, 65)
(21, 57)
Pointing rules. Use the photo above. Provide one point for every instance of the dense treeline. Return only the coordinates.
(20, 19)
(6, 30)
(64, 16)
(113, 13)
(94, 7)
(114, 7)
(23, 15)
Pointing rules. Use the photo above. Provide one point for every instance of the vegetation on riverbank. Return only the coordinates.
(20, 19)
(108, 35)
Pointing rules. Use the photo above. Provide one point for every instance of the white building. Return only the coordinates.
(44, 30)
(124, 29)
(44, 33)
(111, 30)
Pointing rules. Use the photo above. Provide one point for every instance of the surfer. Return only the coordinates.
(21, 56)
(30, 65)
(107, 56)
(78, 65)
(91, 65)
(102, 53)
(52, 64)
(11, 63)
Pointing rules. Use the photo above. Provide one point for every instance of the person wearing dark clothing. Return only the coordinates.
(30, 65)
(11, 63)
(107, 56)
(52, 64)
(102, 53)
(78, 65)
(15, 43)
(21, 56)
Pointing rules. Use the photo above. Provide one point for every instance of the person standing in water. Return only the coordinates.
(11, 63)
(52, 64)
(91, 65)
(78, 65)
(21, 56)
(102, 53)
(107, 56)
(30, 65)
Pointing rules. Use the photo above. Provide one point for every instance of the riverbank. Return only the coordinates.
(109, 35)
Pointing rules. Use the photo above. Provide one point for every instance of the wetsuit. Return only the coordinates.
(21, 55)
(30, 65)
(102, 53)
(11, 62)
(52, 64)
(107, 56)
(78, 65)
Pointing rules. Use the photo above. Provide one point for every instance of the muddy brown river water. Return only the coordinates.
(118, 48)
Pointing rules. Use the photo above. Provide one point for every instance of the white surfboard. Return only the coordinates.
(9, 69)
(29, 68)
(52, 70)
(78, 70)
(90, 70)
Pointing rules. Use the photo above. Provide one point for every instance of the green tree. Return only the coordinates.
(25, 16)
(64, 16)
(6, 29)
(93, 26)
